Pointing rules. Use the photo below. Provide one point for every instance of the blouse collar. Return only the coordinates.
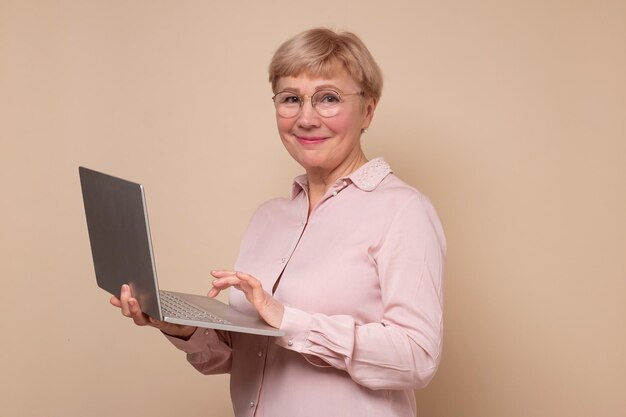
(366, 178)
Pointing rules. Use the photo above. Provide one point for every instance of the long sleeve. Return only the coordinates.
(403, 349)
(207, 350)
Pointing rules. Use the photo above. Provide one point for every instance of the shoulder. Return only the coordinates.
(410, 206)
(273, 205)
(398, 194)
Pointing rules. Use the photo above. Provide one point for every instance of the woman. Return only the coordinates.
(349, 267)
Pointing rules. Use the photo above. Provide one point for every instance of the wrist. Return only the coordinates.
(179, 333)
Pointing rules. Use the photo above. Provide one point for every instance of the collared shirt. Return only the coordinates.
(361, 281)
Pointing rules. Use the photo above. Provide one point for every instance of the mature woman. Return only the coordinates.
(349, 266)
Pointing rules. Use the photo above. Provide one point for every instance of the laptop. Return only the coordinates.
(121, 247)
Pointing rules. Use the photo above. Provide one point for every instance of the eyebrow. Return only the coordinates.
(317, 88)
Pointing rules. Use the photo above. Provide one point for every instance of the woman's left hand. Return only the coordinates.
(268, 308)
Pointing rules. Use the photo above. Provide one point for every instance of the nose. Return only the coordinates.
(308, 117)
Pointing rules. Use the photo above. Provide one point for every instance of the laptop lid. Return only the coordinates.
(121, 247)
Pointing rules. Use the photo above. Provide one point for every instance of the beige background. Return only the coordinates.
(510, 115)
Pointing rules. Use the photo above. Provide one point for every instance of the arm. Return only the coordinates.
(207, 350)
(403, 349)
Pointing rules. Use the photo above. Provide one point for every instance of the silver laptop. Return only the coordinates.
(119, 233)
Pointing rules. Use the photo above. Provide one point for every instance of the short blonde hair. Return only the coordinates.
(322, 52)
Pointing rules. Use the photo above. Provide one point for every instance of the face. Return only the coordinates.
(325, 145)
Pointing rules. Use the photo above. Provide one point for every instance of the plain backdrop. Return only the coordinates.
(509, 115)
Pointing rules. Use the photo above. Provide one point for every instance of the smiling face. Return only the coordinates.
(326, 146)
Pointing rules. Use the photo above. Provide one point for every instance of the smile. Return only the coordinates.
(310, 140)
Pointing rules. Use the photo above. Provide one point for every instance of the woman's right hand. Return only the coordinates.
(130, 308)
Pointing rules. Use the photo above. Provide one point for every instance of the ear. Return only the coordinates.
(370, 107)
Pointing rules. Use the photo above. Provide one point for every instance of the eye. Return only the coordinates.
(328, 97)
(287, 98)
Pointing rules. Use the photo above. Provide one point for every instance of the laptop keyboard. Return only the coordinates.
(174, 306)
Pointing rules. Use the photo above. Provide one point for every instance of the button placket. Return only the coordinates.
(302, 224)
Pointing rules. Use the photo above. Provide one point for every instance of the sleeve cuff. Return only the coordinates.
(297, 325)
(198, 341)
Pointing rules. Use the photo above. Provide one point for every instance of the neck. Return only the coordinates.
(320, 180)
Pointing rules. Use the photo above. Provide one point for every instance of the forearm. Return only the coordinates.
(376, 355)
(207, 350)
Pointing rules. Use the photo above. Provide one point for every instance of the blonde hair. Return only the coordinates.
(322, 52)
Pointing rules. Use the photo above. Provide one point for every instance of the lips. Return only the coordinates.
(310, 140)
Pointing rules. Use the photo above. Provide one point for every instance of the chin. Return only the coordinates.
(313, 162)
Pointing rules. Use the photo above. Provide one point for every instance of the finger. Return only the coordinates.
(220, 273)
(225, 282)
(251, 286)
(125, 295)
(213, 292)
(133, 307)
(249, 279)
(116, 302)
(136, 314)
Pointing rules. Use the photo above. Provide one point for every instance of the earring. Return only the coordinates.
(364, 130)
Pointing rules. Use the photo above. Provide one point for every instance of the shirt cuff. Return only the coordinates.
(297, 325)
(198, 341)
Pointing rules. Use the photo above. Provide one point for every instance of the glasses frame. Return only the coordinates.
(303, 98)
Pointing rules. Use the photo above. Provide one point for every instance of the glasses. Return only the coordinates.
(327, 103)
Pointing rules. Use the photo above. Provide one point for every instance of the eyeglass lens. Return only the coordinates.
(325, 102)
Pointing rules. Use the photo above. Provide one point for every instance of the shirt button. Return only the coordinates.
(283, 260)
(290, 342)
(260, 354)
(335, 192)
(207, 331)
(251, 404)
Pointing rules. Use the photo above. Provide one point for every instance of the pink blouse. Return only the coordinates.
(361, 281)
